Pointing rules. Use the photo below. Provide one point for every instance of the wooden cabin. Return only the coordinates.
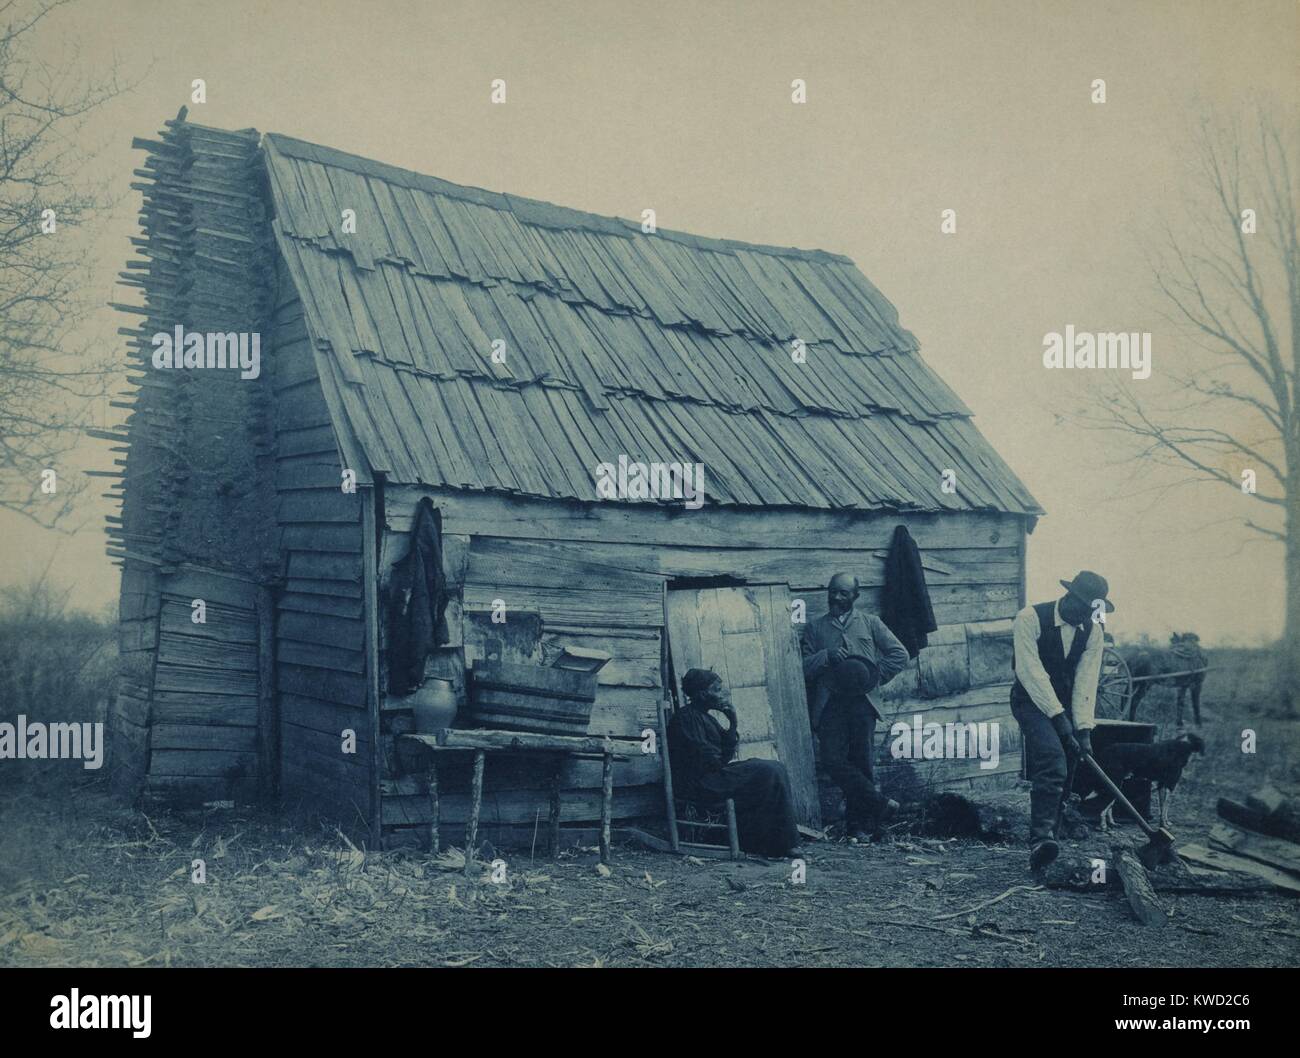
(490, 352)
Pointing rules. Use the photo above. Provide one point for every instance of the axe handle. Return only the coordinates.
(1147, 828)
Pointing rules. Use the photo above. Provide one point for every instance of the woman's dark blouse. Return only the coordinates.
(699, 746)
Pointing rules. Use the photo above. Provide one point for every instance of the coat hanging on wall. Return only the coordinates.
(417, 602)
(905, 599)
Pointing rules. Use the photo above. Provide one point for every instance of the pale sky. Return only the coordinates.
(913, 108)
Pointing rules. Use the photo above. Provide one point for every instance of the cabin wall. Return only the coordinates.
(596, 575)
(128, 720)
(319, 651)
(195, 522)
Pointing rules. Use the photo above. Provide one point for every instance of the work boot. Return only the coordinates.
(885, 814)
(1043, 853)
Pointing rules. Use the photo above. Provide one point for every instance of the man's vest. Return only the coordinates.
(1060, 666)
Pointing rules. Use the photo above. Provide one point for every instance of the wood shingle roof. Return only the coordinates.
(664, 347)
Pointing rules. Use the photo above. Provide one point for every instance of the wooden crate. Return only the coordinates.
(515, 697)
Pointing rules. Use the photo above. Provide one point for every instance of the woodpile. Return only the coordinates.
(1263, 843)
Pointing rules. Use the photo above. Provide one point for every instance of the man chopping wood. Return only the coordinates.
(1057, 662)
(847, 654)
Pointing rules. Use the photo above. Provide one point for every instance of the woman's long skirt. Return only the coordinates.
(764, 804)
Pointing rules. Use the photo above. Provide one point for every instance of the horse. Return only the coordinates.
(1183, 655)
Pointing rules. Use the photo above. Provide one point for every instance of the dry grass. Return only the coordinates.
(86, 882)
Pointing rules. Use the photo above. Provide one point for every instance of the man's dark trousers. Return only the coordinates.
(1045, 766)
(847, 739)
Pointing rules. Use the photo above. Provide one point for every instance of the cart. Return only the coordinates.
(1115, 685)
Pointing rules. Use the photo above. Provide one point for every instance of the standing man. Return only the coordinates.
(1057, 660)
(847, 654)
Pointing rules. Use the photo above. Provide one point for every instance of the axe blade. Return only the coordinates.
(1160, 849)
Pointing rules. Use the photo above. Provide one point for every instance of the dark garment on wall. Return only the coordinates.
(701, 752)
(847, 741)
(417, 602)
(905, 600)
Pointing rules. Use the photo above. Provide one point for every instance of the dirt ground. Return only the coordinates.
(84, 881)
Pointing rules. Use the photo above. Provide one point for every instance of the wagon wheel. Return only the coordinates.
(1115, 687)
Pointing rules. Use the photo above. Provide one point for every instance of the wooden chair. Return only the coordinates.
(696, 820)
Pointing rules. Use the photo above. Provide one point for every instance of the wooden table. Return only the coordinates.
(482, 741)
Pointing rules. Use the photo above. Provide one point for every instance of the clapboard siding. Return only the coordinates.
(313, 655)
(205, 687)
(209, 652)
(317, 603)
(803, 568)
(203, 762)
(129, 715)
(204, 736)
(325, 685)
(319, 635)
(552, 600)
(222, 624)
(328, 718)
(171, 707)
(507, 807)
(672, 528)
(594, 576)
(504, 772)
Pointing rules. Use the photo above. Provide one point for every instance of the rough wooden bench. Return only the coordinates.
(483, 741)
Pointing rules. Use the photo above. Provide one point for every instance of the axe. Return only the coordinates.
(1160, 844)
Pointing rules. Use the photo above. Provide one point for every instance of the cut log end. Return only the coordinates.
(1138, 889)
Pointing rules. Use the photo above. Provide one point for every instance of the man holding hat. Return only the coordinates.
(1057, 663)
(847, 654)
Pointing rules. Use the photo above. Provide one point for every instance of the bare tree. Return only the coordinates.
(1233, 288)
(48, 377)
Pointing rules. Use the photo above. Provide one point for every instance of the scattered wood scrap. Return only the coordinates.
(988, 903)
(1226, 861)
(1275, 852)
(1267, 845)
(1282, 822)
(1138, 889)
(1210, 881)
(1268, 801)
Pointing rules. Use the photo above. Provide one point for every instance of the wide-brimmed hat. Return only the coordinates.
(854, 677)
(1088, 587)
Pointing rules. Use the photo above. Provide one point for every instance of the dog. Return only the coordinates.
(1159, 762)
(1184, 653)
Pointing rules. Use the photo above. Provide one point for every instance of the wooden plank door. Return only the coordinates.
(745, 636)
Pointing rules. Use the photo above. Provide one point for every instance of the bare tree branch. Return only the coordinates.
(49, 376)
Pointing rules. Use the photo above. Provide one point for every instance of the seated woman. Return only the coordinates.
(701, 753)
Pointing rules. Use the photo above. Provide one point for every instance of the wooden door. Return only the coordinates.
(746, 637)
